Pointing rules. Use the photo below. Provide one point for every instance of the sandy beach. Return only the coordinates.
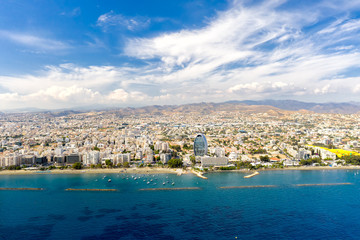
(144, 170)
(147, 170)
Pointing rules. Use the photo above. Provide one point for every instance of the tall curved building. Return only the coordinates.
(200, 145)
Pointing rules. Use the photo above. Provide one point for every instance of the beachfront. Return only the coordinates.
(178, 171)
(144, 170)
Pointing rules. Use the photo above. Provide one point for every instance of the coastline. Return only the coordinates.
(302, 168)
(147, 170)
(144, 170)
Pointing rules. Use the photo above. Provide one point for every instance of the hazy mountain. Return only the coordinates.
(272, 107)
(292, 105)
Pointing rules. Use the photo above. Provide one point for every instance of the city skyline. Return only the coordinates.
(117, 54)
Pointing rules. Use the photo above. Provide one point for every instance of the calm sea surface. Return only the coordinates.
(282, 212)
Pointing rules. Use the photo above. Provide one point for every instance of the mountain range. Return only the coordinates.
(274, 107)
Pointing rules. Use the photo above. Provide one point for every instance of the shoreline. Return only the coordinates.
(144, 170)
(177, 171)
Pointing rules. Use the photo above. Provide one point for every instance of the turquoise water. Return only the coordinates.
(282, 212)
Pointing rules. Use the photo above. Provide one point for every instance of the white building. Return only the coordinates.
(214, 161)
(165, 157)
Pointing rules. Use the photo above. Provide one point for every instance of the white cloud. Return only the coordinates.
(74, 96)
(244, 52)
(323, 90)
(37, 42)
(357, 88)
(111, 19)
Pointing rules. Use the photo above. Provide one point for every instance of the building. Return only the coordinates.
(233, 156)
(219, 152)
(303, 154)
(200, 145)
(165, 157)
(214, 161)
(72, 158)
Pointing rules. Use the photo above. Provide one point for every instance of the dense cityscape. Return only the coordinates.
(107, 139)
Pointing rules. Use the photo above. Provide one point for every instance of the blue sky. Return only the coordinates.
(69, 54)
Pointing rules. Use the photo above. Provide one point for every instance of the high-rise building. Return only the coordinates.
(200, 145)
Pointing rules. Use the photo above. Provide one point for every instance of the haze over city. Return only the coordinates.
(67, 54)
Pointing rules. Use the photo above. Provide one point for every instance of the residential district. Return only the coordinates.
(223, 140)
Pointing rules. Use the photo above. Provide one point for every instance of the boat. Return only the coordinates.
(164, 183)
(109, 180)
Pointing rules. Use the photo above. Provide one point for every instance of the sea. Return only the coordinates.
(326, 205)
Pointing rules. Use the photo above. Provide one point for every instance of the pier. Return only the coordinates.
(251, 175)
(199, 174)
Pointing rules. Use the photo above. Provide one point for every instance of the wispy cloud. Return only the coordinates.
(245, 52)
(73, 13)
(111, 19)
(33, 41)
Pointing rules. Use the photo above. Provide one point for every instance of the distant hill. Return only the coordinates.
(271, 107)
(292, 105)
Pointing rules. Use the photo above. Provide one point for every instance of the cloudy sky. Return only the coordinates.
(92, 53)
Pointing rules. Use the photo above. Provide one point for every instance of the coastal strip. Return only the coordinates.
(169, 189)
(322, 184)
(91, 189)
(21, 189)
(251, 175)
(253, 186)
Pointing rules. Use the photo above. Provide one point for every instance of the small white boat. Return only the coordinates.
(148, 183)
(164, 183)
(109, 180)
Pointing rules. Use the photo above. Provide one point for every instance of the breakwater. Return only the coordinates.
(251, 175)
(321, 184)
(91, 189)
(254, 186)
(199, 174)
(21, 189)
(169, 189)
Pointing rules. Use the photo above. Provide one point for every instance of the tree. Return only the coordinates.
(108, 163)
(243, 164)
(175, 163)
(265, 158)
(126, 164)
(193, 160)
(176, 147)
(352, 159)
(311, 161)
(77, 165)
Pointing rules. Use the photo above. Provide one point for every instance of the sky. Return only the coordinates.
(57, 54)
